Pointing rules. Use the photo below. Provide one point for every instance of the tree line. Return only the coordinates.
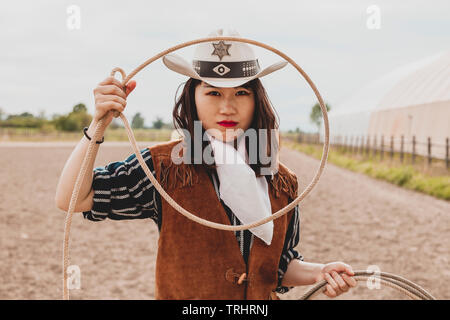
(79, 118)
(75, 120)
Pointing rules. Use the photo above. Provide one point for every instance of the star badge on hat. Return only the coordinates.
(221, 49)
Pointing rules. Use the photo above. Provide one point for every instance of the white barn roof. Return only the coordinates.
(428, 84)
(420, 82)
(412, 101)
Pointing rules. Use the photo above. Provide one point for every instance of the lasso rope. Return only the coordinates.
(403, 285)
(162, 192)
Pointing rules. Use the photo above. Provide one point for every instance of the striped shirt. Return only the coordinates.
(122, 191)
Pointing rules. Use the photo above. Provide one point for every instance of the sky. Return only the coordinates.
(52, 58)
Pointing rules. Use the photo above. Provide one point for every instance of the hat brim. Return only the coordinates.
(180, 65)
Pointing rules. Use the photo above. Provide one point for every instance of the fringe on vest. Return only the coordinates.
(182, 175)
(176, 175)
(285, 182)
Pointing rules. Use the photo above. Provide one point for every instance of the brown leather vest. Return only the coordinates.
(197, 262)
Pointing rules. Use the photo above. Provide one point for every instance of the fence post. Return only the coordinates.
(446, 153)
(402, 144)
(362, 145)
(368, 146)
(374, 150)
(366, 141)
(392, 147)
(358, 145)
(345, 145)
(382, 148)
(413, 158)
(429, 151)
(350, 145)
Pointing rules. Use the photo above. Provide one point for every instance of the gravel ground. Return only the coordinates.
(347, 217)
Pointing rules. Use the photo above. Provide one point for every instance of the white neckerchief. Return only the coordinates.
(244, 193)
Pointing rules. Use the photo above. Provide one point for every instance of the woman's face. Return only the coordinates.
(224, 109)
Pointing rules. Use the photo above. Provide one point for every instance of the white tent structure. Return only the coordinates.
(411, 101)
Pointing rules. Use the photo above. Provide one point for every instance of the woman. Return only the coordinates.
(221, 103)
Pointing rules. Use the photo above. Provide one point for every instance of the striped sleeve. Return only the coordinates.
(122, 191)
(289, 253)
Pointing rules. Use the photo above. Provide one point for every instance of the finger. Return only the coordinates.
(110, 97)
(110, 105)
(341, 283)
(112, 89)
(325, 292)
(340, 267)
(350, 280)
(331, 281)
(349, 270)
(346, 268)
(330, 291)
(111, 80)
(130, 87)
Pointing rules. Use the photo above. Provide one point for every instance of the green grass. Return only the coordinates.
(405, 176)
(120, 134)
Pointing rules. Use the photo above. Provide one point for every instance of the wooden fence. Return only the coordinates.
(385, 147)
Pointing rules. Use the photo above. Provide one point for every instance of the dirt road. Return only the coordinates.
(347, 217)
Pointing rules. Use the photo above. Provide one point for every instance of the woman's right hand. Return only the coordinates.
(109, 96)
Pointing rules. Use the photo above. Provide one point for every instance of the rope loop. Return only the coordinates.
(163, 193)
(124, 88)
(117, 69)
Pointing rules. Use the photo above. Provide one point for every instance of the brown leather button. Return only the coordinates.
(234, 277)
(242, 278)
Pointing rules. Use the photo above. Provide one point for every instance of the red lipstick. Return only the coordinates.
(227, 123)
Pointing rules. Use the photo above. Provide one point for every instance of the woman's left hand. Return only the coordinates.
(339, 276)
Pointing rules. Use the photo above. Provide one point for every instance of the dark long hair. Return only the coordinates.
(264, 117)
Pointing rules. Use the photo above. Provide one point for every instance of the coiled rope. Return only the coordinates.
(125, 79)
(398, 283)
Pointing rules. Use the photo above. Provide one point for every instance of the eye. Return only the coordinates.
(242, 93)
(213, 93)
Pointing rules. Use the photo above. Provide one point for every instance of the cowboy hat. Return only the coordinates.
(223, 63)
